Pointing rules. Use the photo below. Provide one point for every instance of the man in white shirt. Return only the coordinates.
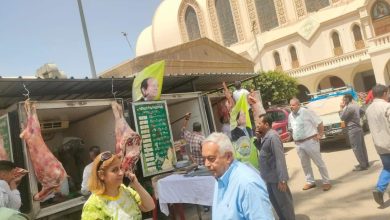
(9, 194)
(239, 91)
(94, 151)
(378, 117)
(307, 129)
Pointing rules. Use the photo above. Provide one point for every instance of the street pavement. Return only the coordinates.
(350, 197)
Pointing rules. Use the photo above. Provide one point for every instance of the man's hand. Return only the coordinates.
(282, 186)
(342, 104)
(187, 116)
(318, 137)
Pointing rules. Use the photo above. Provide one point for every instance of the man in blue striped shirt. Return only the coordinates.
(239, 193)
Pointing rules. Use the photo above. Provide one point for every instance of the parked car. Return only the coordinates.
(280, 124)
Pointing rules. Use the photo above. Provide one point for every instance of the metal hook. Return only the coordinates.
(28, 92)
(112, 88)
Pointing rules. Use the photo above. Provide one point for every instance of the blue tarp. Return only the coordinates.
(336, 93)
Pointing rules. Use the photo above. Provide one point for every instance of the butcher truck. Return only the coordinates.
(51, 139)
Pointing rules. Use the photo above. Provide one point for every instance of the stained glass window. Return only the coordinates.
(315, 5)
(226, 22)
(380, 9)
(266, 14)
(192, 24)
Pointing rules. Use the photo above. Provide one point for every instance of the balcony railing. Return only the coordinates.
(379, 43)
(329, 64)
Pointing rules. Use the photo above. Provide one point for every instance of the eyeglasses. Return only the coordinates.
(105, 156)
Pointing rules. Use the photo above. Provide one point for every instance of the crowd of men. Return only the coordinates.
(237, 183)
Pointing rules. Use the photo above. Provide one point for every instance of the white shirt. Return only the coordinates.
(378, 117)
(9, 198)
(304, 123)
(86, 175)
(238, 93)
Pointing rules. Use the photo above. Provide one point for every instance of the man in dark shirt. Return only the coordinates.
(273, 168)
(350, 113)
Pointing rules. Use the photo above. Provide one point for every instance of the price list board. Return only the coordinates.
(152, 123)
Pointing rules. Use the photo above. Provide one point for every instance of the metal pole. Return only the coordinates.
(86, 38)
(254, 35)
(128, 42)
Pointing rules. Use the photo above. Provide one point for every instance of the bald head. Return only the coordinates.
(294, 105)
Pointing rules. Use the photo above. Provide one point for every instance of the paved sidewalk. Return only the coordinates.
(350, 197)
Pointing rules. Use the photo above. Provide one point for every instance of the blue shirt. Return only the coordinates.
(241, 194)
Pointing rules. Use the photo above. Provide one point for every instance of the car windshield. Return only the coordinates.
(277, 115)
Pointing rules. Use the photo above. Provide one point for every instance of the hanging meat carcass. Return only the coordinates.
(48, 170)
(128, 142)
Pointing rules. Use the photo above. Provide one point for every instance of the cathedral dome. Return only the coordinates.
(144, 42)
(164, 31)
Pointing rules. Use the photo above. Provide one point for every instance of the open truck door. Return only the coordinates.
(86, 123)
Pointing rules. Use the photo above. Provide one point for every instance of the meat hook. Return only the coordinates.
(28, 92)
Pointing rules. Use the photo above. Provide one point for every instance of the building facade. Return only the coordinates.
(322, 43)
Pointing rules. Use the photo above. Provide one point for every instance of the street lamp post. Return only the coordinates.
(86, 38)
(128, 42)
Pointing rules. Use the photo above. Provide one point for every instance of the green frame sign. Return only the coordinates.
(6, 136)
(152, 123)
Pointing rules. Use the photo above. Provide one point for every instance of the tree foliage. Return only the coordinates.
(275, 87)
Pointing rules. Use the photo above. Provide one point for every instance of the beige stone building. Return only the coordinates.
(323, 43)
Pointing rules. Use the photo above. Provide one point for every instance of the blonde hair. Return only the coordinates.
(95, 184)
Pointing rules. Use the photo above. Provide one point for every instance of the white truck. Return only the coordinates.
(326, 104)
(85, 123)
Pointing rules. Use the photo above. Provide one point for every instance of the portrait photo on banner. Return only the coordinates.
(147, 85)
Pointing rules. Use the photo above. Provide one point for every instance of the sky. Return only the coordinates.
(35, 32)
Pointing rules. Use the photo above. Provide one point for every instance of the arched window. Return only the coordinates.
(294, 57)
(337, 49)
(226, 22)
(192, 24)
(278, 64)
(380, 9)
(315, 5)
(380, 14)
(357, 35)
(266, 13)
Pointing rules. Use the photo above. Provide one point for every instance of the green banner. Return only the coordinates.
(246, 151)
(152, 123)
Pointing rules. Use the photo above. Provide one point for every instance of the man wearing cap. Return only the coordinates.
(194, 139)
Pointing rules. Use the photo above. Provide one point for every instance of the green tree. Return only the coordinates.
(275, 87)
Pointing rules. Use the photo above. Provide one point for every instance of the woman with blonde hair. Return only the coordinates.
(110, 198)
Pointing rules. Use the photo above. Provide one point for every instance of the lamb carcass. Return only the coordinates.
(48, 170)
(128, 142)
